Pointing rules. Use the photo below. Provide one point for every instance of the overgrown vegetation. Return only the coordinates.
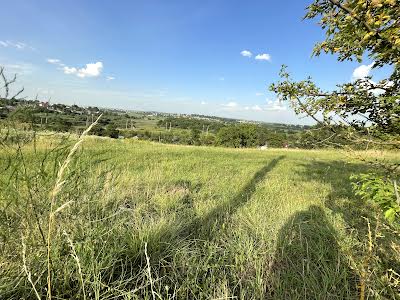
(287, 226)
(127, 219)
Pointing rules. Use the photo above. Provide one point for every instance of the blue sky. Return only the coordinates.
(174, 56)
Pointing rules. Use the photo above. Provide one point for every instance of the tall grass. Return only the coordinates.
(137, 220)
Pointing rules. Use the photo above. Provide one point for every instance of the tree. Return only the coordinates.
(360, 111)
(111, 131)
(238, 136)
(5, 91)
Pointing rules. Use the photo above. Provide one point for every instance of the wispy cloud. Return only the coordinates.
(45, 91)
(54, 61)
(271, 105)
(110, 78)
(259, 94)
(68, 70)
(362, 71)
(263, 56)
(221, 78)
(256, 108)
(203, 102)
(230, 104)
(246, 53)
(19, 68)
(16, 45)
(275, 105)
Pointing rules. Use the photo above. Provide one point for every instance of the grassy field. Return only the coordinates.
(140, 220)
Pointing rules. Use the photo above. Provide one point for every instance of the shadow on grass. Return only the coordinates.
(186, 231)
(203, 228)
(341, 200)
(355, 213)
(308, 263)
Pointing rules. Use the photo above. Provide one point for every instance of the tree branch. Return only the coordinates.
(7, 83)
(349, 11)
(312, 115)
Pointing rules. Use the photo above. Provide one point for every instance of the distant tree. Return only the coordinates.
(207, 139)
(238, 136)
(111, 131)
(195, 136)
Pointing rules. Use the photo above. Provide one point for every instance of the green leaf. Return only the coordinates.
(390, 214)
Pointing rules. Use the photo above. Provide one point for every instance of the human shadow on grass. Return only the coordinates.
(165, 242)
(341, 200)
(204, 227)
(189, 226)
(308, 263)
(355, 212)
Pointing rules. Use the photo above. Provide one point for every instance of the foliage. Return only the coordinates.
(362, 111)
(353, 28)
(380, 190)
(238, 136)
(191, 123)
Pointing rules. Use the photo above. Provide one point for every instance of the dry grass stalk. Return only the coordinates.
(57, 188)
(78, 263)
(27, 272)
(149, 272)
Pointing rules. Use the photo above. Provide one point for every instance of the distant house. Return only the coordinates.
(265, 147)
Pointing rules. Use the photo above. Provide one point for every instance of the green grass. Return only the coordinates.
(218, 224)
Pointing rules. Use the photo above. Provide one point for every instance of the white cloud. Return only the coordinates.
(20, 45)
(271, 105)
(275, 105)
(91, 70)
(256, 108)
(259, 94)
(263, 56)
(53, 61)
(246, 53)
(203, 102)
(231, 104)
(110, 78)
(17, 45)
(45, 91)
(68, 70)
(362, 71)
(19, 68)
